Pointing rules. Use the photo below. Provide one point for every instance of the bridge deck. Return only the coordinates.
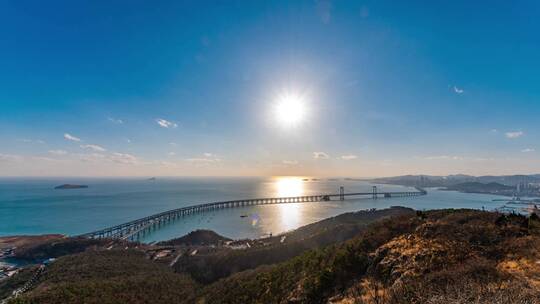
(133, 229)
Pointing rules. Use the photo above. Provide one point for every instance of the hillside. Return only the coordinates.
(476, 187)
(25, 240)
(438, 257)
(216, 264)
(54, 248)
(115, 276)
(197, 237)
(447, 256)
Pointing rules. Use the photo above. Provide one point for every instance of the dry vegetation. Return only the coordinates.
(27, 240)
(448, 256)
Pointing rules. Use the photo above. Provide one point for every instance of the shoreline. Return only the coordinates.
(445, 188)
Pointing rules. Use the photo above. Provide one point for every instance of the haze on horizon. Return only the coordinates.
(308, 88)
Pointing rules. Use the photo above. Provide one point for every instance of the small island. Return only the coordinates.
(70, 186)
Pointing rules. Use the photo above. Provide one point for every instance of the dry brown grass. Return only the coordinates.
(468, 257)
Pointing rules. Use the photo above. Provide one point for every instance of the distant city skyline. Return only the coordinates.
(305, 88)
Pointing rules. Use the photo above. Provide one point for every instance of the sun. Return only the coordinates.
(289, 187)
(290, 110)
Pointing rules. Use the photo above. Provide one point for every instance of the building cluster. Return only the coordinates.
(529, 189)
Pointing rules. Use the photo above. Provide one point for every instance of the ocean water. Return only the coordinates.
(33, 206)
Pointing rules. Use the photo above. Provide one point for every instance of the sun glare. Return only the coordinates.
(290, 214)
(290, 110)
(289, 187)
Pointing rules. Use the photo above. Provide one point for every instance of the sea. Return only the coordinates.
(30, 206)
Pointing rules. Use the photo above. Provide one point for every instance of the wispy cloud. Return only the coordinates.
(45, 159)
(123, 158)
(459, 158)
(349, 157)
(166, 164)
(29, 158)
(58, 152)
(290, 162)
(514, 134)
(528, 150)
(320, 155)
(20, 158)
(92, 157)
(199, 160)
(10, 157)
(114, 157)
(71, 137)
(33, 141)
(115, 120)
(444, 157)
(171, 153)
(93, 147)
(165, 123)
(458, 90)
(207, 158)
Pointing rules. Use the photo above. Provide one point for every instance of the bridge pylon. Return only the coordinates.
(374, 192)
(341, 193)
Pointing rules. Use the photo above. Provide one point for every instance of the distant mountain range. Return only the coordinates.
(450, 180)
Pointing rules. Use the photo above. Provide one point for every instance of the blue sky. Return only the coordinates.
(188, 88)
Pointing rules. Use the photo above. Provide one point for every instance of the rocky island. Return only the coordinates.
(70, 186)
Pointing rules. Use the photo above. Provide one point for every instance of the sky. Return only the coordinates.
(196, 88)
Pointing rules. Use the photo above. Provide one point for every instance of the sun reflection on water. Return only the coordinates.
(290, 214)
(289, 186)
